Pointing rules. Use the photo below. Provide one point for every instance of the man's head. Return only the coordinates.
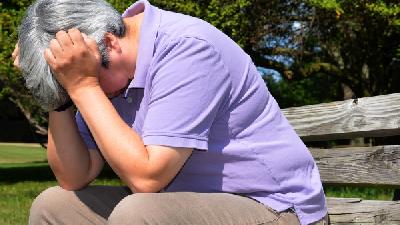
(43, 19)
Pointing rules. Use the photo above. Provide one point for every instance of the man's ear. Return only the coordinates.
(112, 43)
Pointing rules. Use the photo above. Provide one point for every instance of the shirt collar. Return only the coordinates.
(148, 32)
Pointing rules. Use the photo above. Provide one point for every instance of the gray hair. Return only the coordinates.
(43, 19)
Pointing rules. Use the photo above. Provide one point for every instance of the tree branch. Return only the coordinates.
(39, 129)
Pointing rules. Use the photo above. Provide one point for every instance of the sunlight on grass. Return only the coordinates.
(373, 193)
(10, 153)
(16, 198)
(24, 173)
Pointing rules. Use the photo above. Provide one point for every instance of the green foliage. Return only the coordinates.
(230, 18)
(11, 81)
(384, 9)
(355, 43)
(326, 4)
(312, 90)
(241, 19)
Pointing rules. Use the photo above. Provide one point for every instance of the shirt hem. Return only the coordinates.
(304, 219)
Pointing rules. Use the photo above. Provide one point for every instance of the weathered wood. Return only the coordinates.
(364, 117)
(379, 165)
(356, 211)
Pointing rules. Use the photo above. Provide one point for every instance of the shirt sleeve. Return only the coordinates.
(85, 132)
(189, 89)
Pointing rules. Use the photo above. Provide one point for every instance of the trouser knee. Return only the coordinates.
(46, 206)
(137, 209)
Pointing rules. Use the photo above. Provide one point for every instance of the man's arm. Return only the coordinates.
(142, 168)
(76, 64)
(72, 163)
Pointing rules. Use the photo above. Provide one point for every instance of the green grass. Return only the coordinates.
(10, 153)
(24, 173)
(371, 193)
(16, 198)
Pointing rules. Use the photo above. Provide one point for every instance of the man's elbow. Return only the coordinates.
(72, 186)
(145, 186)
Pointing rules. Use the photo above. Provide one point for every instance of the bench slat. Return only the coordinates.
(357, 211)
(378, 165)
(365, 117)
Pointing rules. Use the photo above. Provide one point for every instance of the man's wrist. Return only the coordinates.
(65, 106)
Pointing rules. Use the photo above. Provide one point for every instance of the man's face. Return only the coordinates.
(113, 81)
(122, 64)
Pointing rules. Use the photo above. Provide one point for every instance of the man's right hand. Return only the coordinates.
(15, 56)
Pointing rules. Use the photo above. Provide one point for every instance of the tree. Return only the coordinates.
(356, 41)
(243, 20)
(11, 82)
(353, 43)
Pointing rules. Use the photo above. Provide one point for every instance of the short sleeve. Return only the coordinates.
(85, 132)
(189, 89)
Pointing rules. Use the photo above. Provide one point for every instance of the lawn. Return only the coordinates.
(24, 173)
(21, 153)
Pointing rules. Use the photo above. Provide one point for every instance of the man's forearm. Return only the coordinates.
(67, 154)
(121, 147)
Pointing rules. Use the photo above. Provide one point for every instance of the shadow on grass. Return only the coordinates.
(37, 171)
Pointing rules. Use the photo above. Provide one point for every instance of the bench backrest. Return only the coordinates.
(373, 166)
(377, 116)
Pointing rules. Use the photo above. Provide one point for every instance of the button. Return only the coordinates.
(129, 99)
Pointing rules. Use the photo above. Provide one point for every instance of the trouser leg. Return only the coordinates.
(91, 205)
(187, 208)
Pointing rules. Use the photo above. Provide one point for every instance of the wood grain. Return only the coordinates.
(364, 117)
(379, 165)
(353, 211)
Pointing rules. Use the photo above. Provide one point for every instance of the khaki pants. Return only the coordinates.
(117, 205)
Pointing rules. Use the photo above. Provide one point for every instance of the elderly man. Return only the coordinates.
(177, 110)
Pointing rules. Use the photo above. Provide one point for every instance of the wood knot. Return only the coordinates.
(376, 155)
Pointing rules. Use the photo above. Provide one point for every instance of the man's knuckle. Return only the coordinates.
(53, 43)
(60, 34)
(83, 52)
(55, 67)
(73, 30)
(67, 61)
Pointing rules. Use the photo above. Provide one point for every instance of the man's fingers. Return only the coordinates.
(50, 59)
(76, 36)
(56, 48)
(15, 56)
(85, 37)
(15, 53)
(64, 40)
(16, 62)
(91, 43)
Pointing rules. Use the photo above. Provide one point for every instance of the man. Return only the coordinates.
(177, 110)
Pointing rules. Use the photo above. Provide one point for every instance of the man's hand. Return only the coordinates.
(15, 56)
(74, 59)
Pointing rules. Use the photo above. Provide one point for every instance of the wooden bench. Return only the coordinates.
(377, 116)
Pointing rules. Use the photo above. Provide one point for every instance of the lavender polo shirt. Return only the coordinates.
(194, 87)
